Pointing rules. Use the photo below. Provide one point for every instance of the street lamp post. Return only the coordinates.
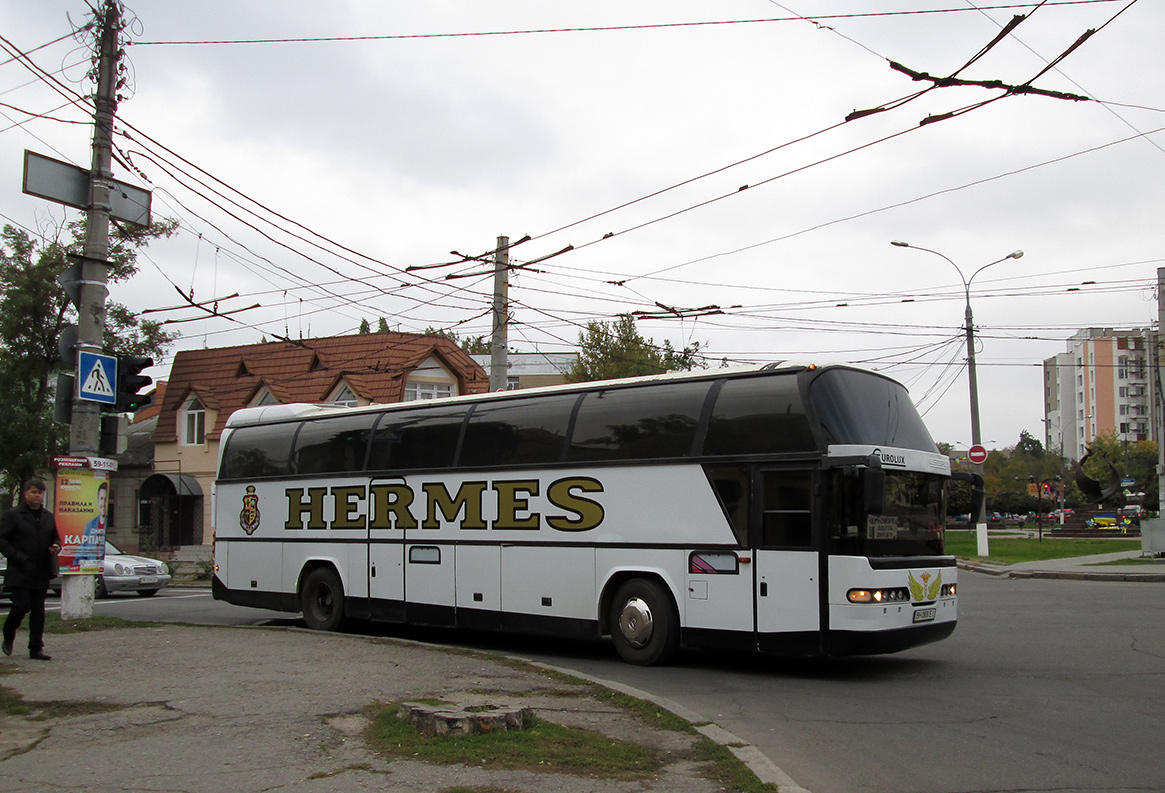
(972, 380)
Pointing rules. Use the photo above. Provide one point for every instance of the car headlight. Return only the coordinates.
(117, 568)
(162, 569)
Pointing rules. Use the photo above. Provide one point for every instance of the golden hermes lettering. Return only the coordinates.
(390, 504)
(347, 507)
(468, 496)
(511, 502)
(314, 508)
(590, 513)
(568, 505)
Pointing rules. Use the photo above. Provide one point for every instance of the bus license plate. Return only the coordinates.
(924, 615)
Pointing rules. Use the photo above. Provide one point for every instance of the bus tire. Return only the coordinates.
(645, 625)
(321, 600)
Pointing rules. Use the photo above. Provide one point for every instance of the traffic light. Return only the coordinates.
(130, 380)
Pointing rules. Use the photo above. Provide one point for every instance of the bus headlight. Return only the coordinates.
(891, 595)
(948, 591)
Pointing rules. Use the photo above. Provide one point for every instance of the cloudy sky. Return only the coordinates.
(314, 152)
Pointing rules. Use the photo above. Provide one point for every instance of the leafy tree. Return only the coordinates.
(1028, 446)
(34, 309)
(364, 327)
(617, 349)
(382, 325)
(474, 345)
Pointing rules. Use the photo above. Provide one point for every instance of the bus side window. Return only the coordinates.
(731, 485)
(786, 521)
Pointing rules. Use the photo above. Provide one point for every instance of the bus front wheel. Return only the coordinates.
(322, 600)
(645, 626)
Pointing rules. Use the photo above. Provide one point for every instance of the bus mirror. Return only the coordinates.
(978, 491)
(875, 488)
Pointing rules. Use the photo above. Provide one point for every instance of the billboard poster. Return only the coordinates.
(81, 504)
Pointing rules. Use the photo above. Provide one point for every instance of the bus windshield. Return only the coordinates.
(856, 407)
(911, 524)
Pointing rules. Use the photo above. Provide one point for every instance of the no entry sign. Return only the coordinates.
(977, 454)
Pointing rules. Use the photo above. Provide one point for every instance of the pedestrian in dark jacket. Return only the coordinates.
(29, 540)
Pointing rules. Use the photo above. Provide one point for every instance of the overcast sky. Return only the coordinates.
(582, 120)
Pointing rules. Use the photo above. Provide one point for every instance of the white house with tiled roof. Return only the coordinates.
(205, 387)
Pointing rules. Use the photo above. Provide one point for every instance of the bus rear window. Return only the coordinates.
(252, 452)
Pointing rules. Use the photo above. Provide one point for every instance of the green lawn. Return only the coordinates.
(1009, 550)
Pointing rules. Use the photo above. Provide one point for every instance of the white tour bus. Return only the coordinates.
(797, 510)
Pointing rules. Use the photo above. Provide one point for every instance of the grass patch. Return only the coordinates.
(12, 704)
(543, 746)
(1150, 560)
(722, 767)
(1009, 550)
(55, 625)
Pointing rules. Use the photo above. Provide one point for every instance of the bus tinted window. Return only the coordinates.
(332, 445)
(517, 431)
(257, 451)
(416, 439)
(862, 408)
(638, 423)
(759, 415)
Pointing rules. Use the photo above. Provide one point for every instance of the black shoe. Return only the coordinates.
(39, 655)
(6, 647)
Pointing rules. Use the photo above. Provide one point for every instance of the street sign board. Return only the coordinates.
(977, 454)
(68, 184)
(97, 376)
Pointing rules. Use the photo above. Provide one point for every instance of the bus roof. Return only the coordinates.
(292, 412)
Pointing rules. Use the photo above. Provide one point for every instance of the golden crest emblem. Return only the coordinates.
(249, 517)
(924, 590)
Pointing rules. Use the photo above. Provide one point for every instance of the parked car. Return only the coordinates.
(127, 573)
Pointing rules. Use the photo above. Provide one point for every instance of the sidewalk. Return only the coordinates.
(245, 710)
(1084, 568)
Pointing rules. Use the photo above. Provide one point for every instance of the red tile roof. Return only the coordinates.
(374, 365)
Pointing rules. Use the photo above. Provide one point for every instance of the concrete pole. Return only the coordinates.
(976, 434)
(499, 343)
(85, 429)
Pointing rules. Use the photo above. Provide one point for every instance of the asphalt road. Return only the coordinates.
(1046, 685)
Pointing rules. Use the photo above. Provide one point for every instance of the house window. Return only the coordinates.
(265, 398)
(422, 390)
(345, 397)
(194, 423)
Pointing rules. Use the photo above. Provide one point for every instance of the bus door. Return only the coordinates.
(386, 572)
(787, 574)
(718, 608)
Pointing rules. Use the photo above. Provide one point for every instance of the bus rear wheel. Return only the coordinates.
(322, 600)
(645, 626)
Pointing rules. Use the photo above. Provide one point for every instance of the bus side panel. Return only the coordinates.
(430, 583)
(479, 586)
(543, 585)
(858, 628)
(718, 591)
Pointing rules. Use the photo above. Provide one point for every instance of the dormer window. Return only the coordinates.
(316, 364)
(346, 397)
(193, 422)
(264, 398)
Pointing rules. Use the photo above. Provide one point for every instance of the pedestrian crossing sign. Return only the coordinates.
(97, 375)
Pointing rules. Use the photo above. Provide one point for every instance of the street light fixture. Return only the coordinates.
(981, 520)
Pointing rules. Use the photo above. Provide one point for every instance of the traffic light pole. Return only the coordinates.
(85, 426)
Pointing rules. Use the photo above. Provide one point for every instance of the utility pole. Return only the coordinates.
(499, 344)
(85, 427)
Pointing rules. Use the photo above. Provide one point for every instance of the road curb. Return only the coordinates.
(1067, 575)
